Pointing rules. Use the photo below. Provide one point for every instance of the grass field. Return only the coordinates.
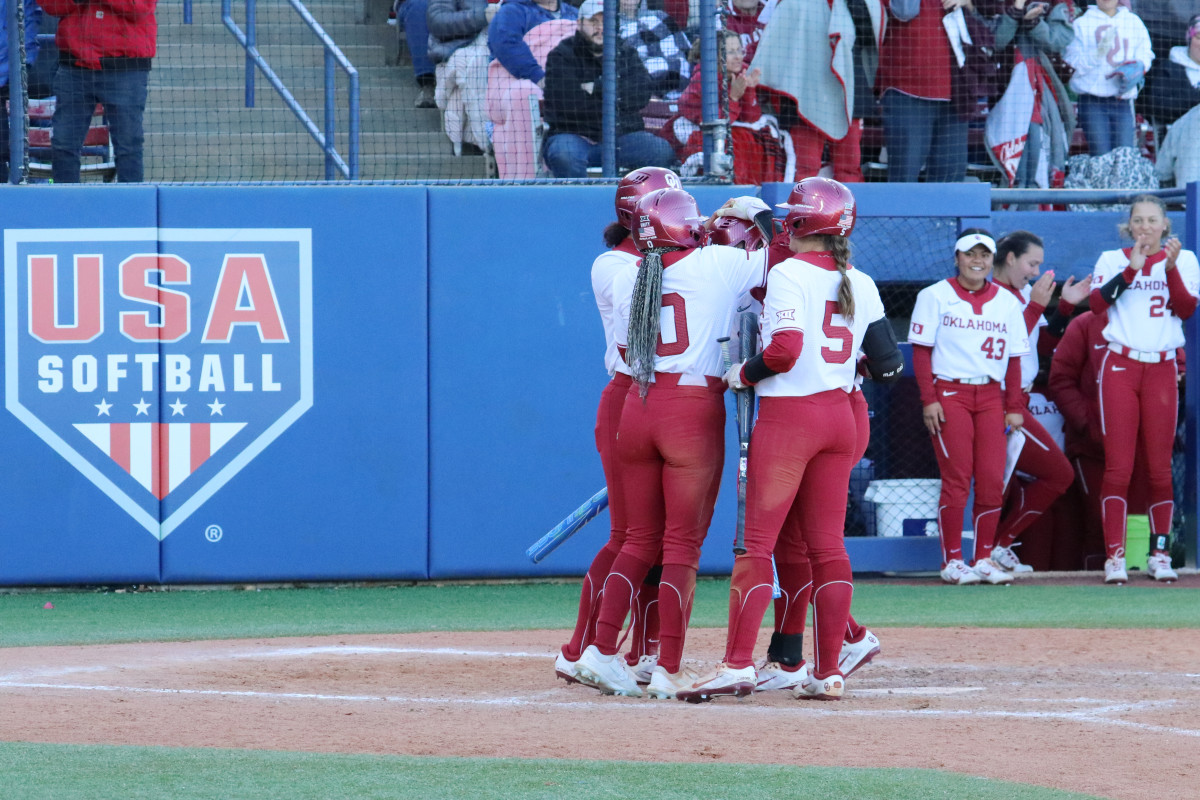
(34, 771)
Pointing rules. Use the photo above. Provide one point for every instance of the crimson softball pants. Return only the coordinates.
(971, 444)
(795, 577)
(671, 450)
(1138, 408)
(801, 454)
(1052, 476)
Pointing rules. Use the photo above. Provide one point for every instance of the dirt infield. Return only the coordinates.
(1108, 712)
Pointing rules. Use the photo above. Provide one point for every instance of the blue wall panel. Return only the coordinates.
(58, 526)
(342, 493)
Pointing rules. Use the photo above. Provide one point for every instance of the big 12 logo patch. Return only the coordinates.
(157, 361)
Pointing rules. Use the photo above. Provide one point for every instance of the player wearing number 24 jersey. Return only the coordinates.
(968, 336)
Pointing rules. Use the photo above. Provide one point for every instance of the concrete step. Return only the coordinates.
(161, 166)
(268, 119)
(307, 55)
(234, 74)
(343, 33)
(266, 14)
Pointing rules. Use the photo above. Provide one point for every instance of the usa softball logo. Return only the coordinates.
(158, 362)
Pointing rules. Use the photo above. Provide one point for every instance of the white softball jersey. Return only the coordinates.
(1140, 319)
(971, 336)
(699, 298)
(802, 295)
(1029, 361)
(605, 271)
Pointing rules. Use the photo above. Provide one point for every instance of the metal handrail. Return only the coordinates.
(333, 57)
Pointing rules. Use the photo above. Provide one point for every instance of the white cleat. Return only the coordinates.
(989, 572)
(665, 685)
(828, 688)
(644, 670)
(857, 654)
(609, 674)
(1007, 560)
(773, 677)
(1158, 567)
(724, 681)
(565, 669)
(1114, 570)
(959, 574)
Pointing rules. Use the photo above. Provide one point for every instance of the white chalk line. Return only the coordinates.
(1091, 716)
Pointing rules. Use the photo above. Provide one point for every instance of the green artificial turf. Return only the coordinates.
(52, 772)
(103, 617)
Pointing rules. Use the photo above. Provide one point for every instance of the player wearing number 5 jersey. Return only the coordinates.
(672, 441)
(818, 312)
(1149, 290)
(968, 337)
(615, 268)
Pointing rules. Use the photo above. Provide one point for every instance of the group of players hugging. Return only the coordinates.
(668, 288)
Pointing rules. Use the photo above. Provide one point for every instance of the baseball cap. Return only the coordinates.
(591, 8)
(971, 239)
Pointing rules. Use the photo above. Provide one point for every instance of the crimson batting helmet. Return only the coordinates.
(733, 232)
(638, 184)
(667, 218)
(819, 206)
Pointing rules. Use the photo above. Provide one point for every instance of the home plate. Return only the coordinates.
(922, 690)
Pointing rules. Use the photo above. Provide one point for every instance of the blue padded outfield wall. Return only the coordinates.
(223, 384)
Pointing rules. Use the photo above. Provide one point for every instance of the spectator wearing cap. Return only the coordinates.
(506, 34)
(1173, 84)
(573, 105)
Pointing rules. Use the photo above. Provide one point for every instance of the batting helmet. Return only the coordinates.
(638, 184)
(732, 231)
(819, 206)
(667, 218)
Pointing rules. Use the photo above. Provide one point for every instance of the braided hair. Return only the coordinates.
(645, 311)
(839, 248)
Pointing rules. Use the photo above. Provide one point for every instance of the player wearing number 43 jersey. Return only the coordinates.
(672, 440)
(968, 337)
(1149, 290)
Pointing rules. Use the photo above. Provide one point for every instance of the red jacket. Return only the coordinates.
(1072, 383)
(916, 57)
(92, 30)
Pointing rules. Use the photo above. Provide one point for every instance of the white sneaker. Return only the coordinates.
(644, 670)
(1158, 567)
(958, 573)
(857, 654)
(1114, 571)
(773, 677)
(1007, 560)
(609, 674)
(830, 688)
(565, 669)
(664, 685)
(989, 572)
(724, 681)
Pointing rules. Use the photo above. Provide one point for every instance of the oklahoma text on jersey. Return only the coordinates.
(950, 321)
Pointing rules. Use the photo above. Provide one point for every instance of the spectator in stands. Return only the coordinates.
(507, 31)
(1110, 54)
(756, 143)
(1029, 130)
(917, 65)
(103, 58)
(742, 18)
(33, 18)
(573, 105)
(458, 46)
(1173, 84)
(662, 46)
(1178, 154)
(412, 15)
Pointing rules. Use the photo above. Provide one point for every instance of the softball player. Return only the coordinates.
(620, 261)
(968, 338)
(1149, 289)
(671, 446)
(804, 443)
(1019, 256)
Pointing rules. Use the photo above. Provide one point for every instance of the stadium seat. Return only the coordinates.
(97, 156)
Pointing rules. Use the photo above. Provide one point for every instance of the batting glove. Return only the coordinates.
(745, 207)
(733, 377)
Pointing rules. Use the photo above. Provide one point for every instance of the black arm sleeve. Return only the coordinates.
(756, 369)
(884, 360)
(1114, 288)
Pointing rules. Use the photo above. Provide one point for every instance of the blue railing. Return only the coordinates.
(333, 58)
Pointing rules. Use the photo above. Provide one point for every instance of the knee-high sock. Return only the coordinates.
(749, 596)
(643, 636)
(1113, 512)
(675, 595)
(627, 572)
(986, 520)
(854, 631)
(795, 587)
(831, 607)
(589, 601)
(1160, 524)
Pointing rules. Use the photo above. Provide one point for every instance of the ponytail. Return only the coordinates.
(645, 309)
(839, 248)
(614, 234)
